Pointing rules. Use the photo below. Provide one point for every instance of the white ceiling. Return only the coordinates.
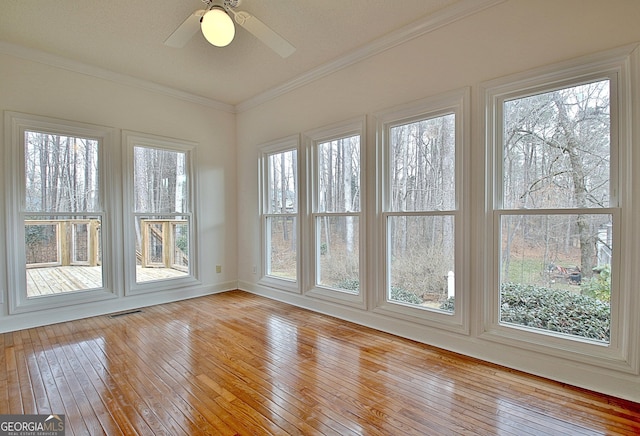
(126, 37)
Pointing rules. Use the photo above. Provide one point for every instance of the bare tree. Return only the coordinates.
(556, 155)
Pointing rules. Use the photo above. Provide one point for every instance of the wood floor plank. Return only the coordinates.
(237, 364)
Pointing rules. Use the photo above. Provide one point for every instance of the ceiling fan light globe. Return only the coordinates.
(217, 27)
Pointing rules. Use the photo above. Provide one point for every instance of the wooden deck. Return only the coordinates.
(239, 364)
(55, 280)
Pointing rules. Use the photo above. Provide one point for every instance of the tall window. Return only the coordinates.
(422, 189)
(57, 238)
(556, 220)
(420, 222)
(337, 211)
(162, 216)
(560, 198)
(281, 211)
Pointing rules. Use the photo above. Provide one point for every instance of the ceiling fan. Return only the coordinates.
(218, 28)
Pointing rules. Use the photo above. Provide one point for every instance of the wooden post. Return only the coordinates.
(166, 244)
(94, 242)
(64, 237)
(144, 233)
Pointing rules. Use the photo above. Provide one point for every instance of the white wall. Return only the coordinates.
(41, 89)
(511, 37)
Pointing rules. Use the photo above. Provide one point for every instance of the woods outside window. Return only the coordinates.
(559, 193)
(59, 251)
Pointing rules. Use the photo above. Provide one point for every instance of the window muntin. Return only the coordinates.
(337, 213)
(556, 213)
(59, 236)
(61, 213)
(161, 206)
(160, 251)
(281, 217)
(421, 218)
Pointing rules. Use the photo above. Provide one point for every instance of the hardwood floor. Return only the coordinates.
(238, 364)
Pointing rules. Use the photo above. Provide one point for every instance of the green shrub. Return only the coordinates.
(349, 284)
(536, 307)
(555, 310)
(449, 304)
(598, 286)
(397, 294)
(552, 309)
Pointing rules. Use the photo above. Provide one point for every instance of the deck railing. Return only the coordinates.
(164, 244)
(62, 242)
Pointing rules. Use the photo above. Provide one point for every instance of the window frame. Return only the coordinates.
(283, 145)
(16, 124)
(312, 141)
(130, 140)
(453, 102)
(620, 66)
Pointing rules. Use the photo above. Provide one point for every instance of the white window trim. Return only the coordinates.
(288, 143)
(15, 126)
(622, 65)
(312, 138)
(456, 102)
(131, 139)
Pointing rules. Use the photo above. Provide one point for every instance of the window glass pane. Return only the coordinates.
(162, 248)
(159, 181)
(338, 252)
(61, 173)
(555, 273)
(339, 175)
(422, 171)
(421, 255)
(282, 247)
(63, 254)
(557, 149)
(283, 182)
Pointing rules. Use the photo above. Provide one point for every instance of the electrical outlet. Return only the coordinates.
(255, 269)
(218, 269)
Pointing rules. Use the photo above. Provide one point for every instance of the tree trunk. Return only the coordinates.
(587, 242)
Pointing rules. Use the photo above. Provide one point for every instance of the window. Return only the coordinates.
(161, 214)
(57, 253)
(422, 148)
(280, 213)
(557, 198)
(337, 211)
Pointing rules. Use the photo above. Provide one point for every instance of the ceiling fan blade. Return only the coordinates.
(264, 33)
(186, 30)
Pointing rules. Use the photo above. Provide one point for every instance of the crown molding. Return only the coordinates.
(441, 18)
(101, 73)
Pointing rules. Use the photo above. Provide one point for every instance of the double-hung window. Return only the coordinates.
(559, 195)
(422, 201)
(161, 250)
(58, 227)
(280, 176)
(337, 222)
